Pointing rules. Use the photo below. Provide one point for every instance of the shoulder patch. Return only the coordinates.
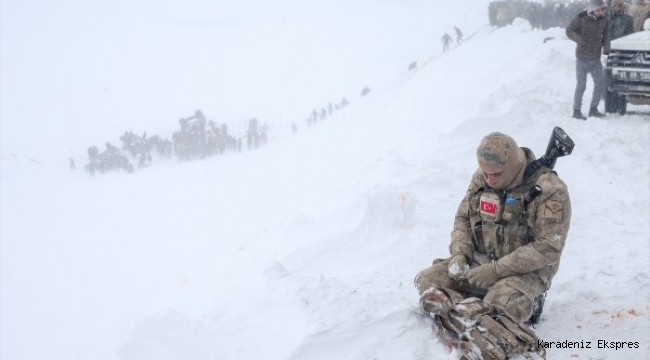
(553, 209)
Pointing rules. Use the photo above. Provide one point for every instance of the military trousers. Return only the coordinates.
(513, 295)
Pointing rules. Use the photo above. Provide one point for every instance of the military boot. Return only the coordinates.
(577, 114)
(593, 112)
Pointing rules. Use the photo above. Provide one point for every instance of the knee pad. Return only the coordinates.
(431, 276)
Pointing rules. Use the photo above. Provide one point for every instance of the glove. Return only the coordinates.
(435, 301)
(483, 276)
(458, 267)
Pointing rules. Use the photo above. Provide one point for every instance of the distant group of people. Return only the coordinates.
(447, 39)
(325, 111)
(540, 16)
(111, 158)
(255, 135)
(557, 14)
(197, 138)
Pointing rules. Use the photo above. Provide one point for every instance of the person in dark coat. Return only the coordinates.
(620, 23)
(459, 35)
(446, 39)
(590, 30)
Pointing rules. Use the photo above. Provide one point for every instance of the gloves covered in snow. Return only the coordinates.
(435, 301)
(483, 276)
(458, 267)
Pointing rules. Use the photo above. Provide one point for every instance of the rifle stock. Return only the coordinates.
(560, 144)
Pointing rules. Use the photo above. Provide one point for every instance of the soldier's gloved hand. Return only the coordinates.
(458, 267)
(483, 276)
(435, 301)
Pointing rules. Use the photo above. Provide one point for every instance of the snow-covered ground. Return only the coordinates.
(305, 248)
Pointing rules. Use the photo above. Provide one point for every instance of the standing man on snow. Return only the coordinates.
(446, 39)
(508, 236)
(590, 30)
(459, 35)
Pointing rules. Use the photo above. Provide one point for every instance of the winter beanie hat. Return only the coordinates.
(618, 2)
(499, 153)
(595, 5)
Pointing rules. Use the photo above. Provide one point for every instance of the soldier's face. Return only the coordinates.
(493, 174)
(599, 12)
(492, 178)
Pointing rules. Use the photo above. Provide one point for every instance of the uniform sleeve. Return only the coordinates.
(461, 235)
(550, 229)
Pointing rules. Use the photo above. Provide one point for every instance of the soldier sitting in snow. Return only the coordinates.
(508, 236)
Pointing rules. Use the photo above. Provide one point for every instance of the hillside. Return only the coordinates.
(305, 248)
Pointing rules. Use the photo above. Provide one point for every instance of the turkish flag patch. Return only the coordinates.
(488, 207)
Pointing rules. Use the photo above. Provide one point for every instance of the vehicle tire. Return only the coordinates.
(611, 102)
(622, 105)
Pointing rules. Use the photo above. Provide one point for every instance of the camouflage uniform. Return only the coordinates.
(519, 238)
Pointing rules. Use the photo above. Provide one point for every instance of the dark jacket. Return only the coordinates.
(591, 35)
(620, 25)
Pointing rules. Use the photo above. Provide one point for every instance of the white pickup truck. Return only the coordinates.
(627, 72)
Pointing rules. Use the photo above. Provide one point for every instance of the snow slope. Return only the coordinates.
(306, 248)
